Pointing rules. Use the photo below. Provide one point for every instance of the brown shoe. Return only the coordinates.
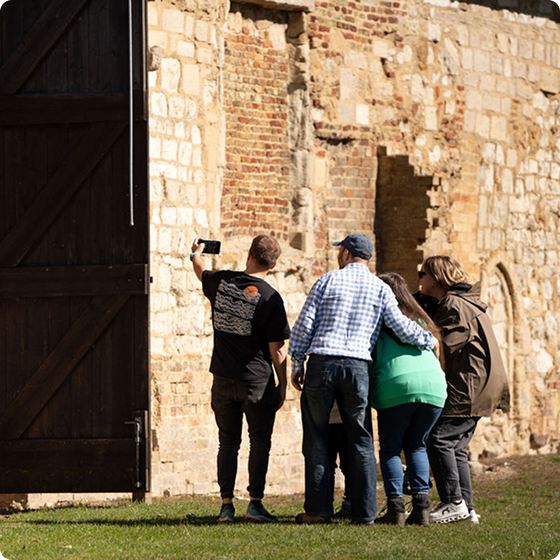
(305, 519)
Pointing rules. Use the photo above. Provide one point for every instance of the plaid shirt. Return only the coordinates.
(342, 316)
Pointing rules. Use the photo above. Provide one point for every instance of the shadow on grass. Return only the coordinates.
(190, 520)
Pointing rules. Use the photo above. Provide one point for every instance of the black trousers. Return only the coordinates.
(231, 400)
(447, 451)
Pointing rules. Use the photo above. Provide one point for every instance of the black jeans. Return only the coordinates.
(258, 401)
(447, 451)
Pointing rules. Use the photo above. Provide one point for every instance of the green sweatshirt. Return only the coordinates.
(401, 374)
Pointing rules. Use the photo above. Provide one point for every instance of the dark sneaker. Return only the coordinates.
(449, 512)
(345, 511)
(227, 513)
(257, 514)
(392, 517)
(305, 519)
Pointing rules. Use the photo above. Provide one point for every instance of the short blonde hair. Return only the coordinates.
(445, 270)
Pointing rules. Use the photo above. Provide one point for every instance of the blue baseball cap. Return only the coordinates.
(359, 245)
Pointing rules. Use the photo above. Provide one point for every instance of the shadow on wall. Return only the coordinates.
(401, 216)
(535, 8)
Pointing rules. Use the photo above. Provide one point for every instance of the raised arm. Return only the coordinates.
(198, 262)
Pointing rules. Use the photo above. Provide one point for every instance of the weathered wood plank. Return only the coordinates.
(23, 110)
(36, 44)
(68, 453)
(55, 369)
(79, 164)
(72, 281)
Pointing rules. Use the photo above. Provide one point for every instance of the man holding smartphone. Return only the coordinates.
(250, 329)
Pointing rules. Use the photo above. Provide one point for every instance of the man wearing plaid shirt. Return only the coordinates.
(337, 328)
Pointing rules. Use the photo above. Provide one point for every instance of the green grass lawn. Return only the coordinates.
(519, 503)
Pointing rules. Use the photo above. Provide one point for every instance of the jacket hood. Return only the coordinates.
(469, 293)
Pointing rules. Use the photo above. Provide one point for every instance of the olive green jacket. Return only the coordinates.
(476, 378)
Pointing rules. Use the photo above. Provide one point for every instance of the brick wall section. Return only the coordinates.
(468, 96)
(256, 185)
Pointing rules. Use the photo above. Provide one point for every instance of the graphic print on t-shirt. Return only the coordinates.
(234, 308)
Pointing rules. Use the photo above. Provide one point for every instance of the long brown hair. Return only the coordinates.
(410, 307)
(446, 271)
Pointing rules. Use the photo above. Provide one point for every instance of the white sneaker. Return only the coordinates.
(472, 518)
(449, 512)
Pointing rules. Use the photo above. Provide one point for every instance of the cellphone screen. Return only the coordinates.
(211, 247)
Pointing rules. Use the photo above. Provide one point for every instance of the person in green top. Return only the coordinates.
(408, 389)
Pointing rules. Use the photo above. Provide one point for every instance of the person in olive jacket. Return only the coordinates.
(476, 382)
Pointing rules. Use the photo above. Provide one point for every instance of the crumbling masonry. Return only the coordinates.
(432, 125)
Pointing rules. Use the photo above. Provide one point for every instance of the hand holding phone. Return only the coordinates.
(211, 247)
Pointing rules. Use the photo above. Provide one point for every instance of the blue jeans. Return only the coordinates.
(345, 379)
(405, 428)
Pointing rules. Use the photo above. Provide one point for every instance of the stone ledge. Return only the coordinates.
(287, 5)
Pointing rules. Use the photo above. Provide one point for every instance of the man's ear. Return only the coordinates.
(272, 266)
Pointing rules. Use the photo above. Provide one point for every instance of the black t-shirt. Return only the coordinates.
(247, 314)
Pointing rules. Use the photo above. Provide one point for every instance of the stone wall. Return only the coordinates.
(313, 121)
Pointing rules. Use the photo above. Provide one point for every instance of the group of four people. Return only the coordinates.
(353, 326)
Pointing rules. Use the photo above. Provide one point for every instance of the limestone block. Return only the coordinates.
(434, 32)
(481, 61)
(534, 73)
(158, 104)
(525, 49)
(467, 59)
(482, 126)
(505, 106)
(508, 70)
(165, 236)
(473, 100)
(348, 85)
(381, 48)
(441, 3)
(201, 31)
(189, 27)
(153, 16)
(174, 21)
(155, 147)
(191, 79)
(550, 80)
(176, 111)
(489, 152)
(157, 38)
(163, 169)
(169, 215)
(488, 82)
(430, 118)
(185, 153)
(519, 70)
(471, 79)
(170, 74)
(185, 49)
(169, 149)
(184, 216)
(491, 103)
(362, 114)
(470, 121)
(346, 113)
(507, 181)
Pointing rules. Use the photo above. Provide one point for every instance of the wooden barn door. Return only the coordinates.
(74, 374)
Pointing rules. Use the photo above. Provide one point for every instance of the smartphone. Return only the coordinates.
(210, 247)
